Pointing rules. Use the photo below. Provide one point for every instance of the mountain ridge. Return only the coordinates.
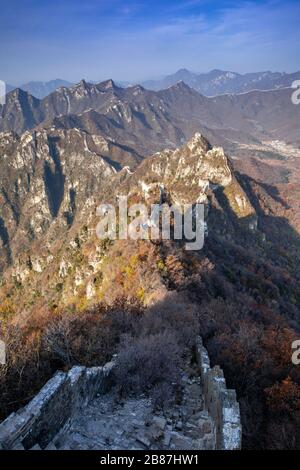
(40, 89)
(212, 83)
(218, 82)
(175, 113)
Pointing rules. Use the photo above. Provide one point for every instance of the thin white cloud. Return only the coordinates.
(180, 26)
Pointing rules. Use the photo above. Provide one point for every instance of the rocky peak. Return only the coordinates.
(187, 174)
(180, 85)
(82, 84)
(81, 90)
(198, 144)
(17, 93)
(108, 84)
(18, 98)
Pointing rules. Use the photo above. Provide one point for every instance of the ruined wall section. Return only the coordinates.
(220, 402)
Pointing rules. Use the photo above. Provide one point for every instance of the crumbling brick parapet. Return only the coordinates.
(221, 402)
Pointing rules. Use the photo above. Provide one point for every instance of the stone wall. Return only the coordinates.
(37, 423)
(220, 402)
(66, 393)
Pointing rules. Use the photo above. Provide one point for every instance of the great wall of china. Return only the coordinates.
(78, 410)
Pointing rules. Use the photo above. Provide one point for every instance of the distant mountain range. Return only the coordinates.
(41, 89)
(150, 121)
(259, 129)
(218, 82)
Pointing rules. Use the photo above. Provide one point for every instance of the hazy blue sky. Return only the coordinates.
(137, 39)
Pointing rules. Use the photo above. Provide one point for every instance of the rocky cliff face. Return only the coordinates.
(50, 188)
(46, 179)
(189, 173)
